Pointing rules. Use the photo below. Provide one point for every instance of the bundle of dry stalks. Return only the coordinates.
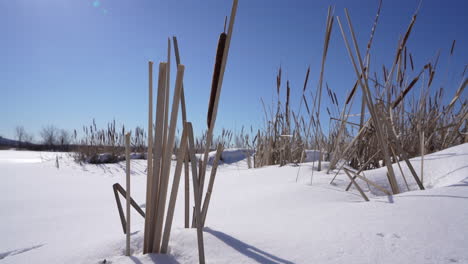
(409, 127)
(407, 118)
(162, 144)
(106, 145)
(286, 134)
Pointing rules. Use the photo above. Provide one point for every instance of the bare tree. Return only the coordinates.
(28, 138)
(49, 135)
(20, 133)
(64, 138)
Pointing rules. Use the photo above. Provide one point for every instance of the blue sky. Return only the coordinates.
(65, 62)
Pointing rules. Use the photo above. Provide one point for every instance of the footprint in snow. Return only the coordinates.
(393, 235)
(18, 251)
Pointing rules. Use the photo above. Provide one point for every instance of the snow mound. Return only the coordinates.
(443, 168)
(228, 156)
(234, 155)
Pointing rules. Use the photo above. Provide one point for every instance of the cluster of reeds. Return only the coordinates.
(281, 141)
(162, 142)
(228, 138)
(287, 133)
(99, 145)
(397, 121)
(400, 126)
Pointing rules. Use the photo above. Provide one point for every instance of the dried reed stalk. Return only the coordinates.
(214, 167)
(399, 167)
(127, 172)
(318, 132)
(362, 168)
(149, 157)
(370, 105)
(166, 100)
(175, 187)
(382, 189)
(166, 168)
(422, 156)
(186, 160)
(356, 185)
(119, 189)
(157, 151)
(196, 194)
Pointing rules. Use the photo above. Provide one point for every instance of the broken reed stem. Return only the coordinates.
(214, 167)
(347, 122)
(356, 185)
(166, 99)
(166, 168)
(186, 159)
(369, 103)
(351, 144)
(399, 166)
(356, 175)
(119, 189)
(187, 192)
(196, 194)
(157, 151)
(300, 163)
(422, 157)
(364, 166)
(149, 157)
(127, 172)
(344, 119)
(175, 187)
(403, 155)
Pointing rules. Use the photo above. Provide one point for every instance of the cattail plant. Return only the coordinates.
(157, 231)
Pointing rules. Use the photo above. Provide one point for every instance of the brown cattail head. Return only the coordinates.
(216, 73)
(306, 79)
(403, 94)
(453, 47)
(411, 61)
(288, 90)
(278, 81)
(306, 105)
(352, 92)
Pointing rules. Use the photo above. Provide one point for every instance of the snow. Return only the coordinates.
(228, 156)
(311, 155)
(68, 214)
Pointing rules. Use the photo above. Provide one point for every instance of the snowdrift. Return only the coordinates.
(69, 215)
(443, 168)
(229, 156)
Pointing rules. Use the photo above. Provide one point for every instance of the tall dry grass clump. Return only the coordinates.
(107, 145)
(402, 113)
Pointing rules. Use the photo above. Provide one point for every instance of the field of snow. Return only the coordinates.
(69, 215)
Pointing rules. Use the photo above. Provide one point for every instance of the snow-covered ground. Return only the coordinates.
(68, 214)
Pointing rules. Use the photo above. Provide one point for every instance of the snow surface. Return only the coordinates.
(228, 156)
(68, 214)
(311, 155)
